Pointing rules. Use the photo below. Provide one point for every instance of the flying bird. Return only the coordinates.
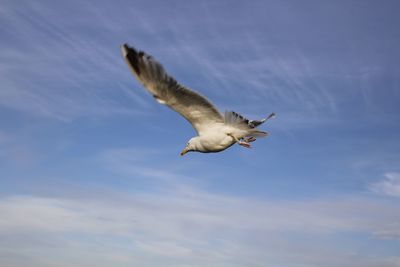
(215, 132)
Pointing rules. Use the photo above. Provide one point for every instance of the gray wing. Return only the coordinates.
(166, 90)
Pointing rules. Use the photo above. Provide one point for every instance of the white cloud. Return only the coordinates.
(188, 227)
(389, 186)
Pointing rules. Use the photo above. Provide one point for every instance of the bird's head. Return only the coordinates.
(190, 146)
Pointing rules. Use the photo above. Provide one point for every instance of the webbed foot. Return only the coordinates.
(244, 144)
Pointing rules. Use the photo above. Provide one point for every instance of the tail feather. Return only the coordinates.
(234, 118)
(257, 133)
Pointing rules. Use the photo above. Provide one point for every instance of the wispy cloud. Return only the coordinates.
(51, 70)
(185, 225)
(389, 186)
(138, 163)
(80, 72)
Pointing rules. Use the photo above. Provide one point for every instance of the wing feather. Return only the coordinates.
(199, 111)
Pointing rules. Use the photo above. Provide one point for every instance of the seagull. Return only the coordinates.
(215, 132)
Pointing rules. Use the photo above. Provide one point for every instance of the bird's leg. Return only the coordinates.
(250, 139)
(242, 143)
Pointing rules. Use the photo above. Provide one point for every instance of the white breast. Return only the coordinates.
(216, 138)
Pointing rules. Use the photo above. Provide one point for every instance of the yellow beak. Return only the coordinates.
(184, 151)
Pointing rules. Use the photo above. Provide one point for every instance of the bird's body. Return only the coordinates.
(215, 139)
(215, 132)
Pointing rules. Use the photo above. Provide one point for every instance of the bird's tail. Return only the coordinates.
(234, 118)
(257, 133)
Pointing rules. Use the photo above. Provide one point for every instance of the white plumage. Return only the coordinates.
(215, 132)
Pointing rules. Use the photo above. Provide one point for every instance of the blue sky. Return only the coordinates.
(90, 167)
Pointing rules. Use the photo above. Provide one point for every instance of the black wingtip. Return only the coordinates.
(126, 49)
(271, 116)
(131, 55)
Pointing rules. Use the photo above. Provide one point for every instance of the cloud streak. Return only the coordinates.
(389, 186)
(185, 225)
(77, 75)
(52, 71)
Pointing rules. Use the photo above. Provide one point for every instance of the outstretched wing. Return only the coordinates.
(166, 90)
